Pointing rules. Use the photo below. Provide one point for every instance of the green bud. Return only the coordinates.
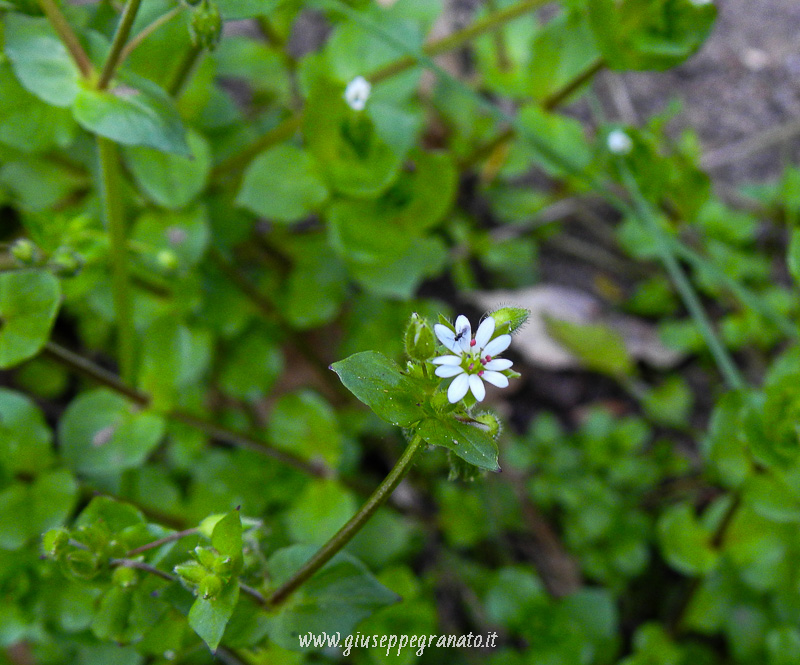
(440, 403)
(54, 542)
(191, 572)
(66, 263)
(167, 260)
(205, 27)
(210, 587)
(206, 556)
(223, 567)
(82, 563)
(26, 252)
(509, 319)
(419, 338)
(124, 577)
(490, 421)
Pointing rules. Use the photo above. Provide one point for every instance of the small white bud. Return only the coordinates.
(357, 92)
(701, 3)
(619, 142)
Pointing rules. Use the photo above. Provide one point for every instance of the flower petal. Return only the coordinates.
(458, 388)
(497, 345)
(485, 332)
(447, 360)
(447, 337)
(496, 379)
(446, 371)
(463, 332)
(497, 365)
(476, 386)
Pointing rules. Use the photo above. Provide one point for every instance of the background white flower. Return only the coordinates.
(475, 361)
(357, 93)
(619, 142)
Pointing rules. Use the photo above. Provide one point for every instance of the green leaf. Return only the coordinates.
(251, 367)
(354, 159)
(319, 512)
(27, 510)
(24, 436)
(27, 123)
(114, 514)
(171, 181)
(306, 425)
(102, 432)
(335, 599)
(670, 403)
(600, 348)
(111, 619)
(685, 543)
(28, 305)
(564, 136)
(283, 185)
(209, 616)
(470, 442)
(134, 112)
(186, 233)
(378, 382)
(793, 256)
(649, 34)
(226, 538)
(40, 60)
(772, 497)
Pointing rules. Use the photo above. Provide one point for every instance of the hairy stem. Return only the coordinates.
(118, 43)
(162, 541)
(148, 30)
(111, 190)
(349, 530)
(67, 36)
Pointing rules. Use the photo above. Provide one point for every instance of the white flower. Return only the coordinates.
(619, 142)
(357, 92)
(475, 360)
(701, 3)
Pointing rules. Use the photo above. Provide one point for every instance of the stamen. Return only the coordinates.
(472, 342)
(487, 359)
(471, 366)
(480, 373)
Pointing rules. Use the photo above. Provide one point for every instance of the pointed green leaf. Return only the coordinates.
(335, 599)
(378, 382)
(685, 543)
(209, 616)
(227, 537)
(472, 443)
(28, 305)
(134, 112)
(600, 348)
(40, 60)
(24, 436)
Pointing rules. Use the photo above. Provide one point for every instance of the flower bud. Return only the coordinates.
(223, 567)
(205, 27)
(490, 421)
(210, 586)
(206, 556)
(82, 563)
(66, 263)
(167, 260)
(25, 252)
(124, 577)
(54, 542)
(419, 339)
(509, 319)
(191, 572)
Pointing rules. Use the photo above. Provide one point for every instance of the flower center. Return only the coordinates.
(472, 362)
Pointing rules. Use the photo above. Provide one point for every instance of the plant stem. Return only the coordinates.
(185, 68)
(162, 541)
(117, 45)
(111, 190)
(458, 38)
(349, 530)
(559, 96)
(81, 365)
(724, 362)
(67, 36)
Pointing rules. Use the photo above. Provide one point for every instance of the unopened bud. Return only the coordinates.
(419, 339)
(25, 252)
(490, 421)
(66, 263)
(210, 586)
(167, 260)
(124, 577)
(205, 27)
(191, 571)
(509, 319)
(54, 542)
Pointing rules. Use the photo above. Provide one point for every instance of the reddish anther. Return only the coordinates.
(472, 342)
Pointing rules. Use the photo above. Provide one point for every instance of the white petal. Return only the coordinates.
(485, 332)
(496, 379)
(447, 360)
(458, 388)
(446, 371)
(498, 365)
(497, 345)
(476, 386)
(464, 329)
(447, 337)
